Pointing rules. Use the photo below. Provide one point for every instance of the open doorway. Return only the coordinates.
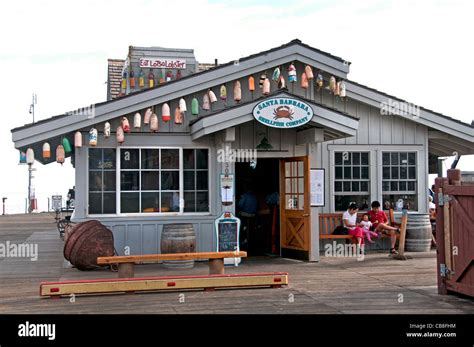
(257, 197)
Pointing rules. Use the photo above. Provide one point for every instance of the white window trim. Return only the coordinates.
(181, 213)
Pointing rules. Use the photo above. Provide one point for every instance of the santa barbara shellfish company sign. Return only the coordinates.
(283, 112)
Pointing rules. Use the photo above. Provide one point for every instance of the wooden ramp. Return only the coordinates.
(144, 284)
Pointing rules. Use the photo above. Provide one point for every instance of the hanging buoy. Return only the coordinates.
(169, 76)
(162, 78)
(212, 96)
(182, 105)
(78, 139)
(125, 124)
(178, 75)
(206, 103)
(237, 91)
(46, 151)
(120, 136)
(132, 79)
(151, 79)
(137, 120)
(223, 93)
(338, 85)
(30, 156)
(60, 155)
(67, 145)
(195, 107)
(154, 123)
(251, 84)
(141, 79)
(332, 84)
(319, 80)
(262, 79)
(281, 83)
(165, 112)
(292, 74)
(178, 116)
(309, 72)
(107, 130)
(342, 90)
(146, 119)
(276, 74)
(124, 80)
(93, 137)
(266, 87)
(304, 81)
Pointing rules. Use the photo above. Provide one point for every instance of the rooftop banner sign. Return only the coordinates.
(283, 113)
(163, 63)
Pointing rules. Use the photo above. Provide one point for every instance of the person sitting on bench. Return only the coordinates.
(349, 221)
(380, 224)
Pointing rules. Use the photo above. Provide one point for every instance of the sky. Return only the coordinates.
(419, 51)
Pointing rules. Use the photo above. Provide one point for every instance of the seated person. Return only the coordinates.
(349, 221)
(380, 224)
(366, 224)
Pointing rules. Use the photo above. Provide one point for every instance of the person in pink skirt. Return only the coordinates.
(366, 224)
(349, 220)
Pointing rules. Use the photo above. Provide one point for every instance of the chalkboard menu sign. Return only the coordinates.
(227, 232)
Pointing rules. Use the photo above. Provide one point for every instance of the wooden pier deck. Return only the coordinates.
(335, 285)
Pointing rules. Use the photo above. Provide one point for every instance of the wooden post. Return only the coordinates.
(439, 184)
(447, 233)
(216, 266)
(403, 230)
(126, 270)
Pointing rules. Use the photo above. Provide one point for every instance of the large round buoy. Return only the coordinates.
(182, 105)
(165, 112)
(125, 124)
(60, 155)
(146, 119)
(223, 93)
(212, 96)
(309, 72)
(178, 116)
(120, 135)
(251, 83)
(266, 87)
(93, 137)
(46, 150)
(30, 156)
(237, 91)
(195, 107)
(154, 123)
(67, 145)
(137, 120)
(206, 103)
(78, 139)
(304, 81)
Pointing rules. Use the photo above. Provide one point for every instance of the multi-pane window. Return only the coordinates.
(399, 179)
(196, 182)
(102, 180)
(294, 185)
(351, 179)
(149, 180)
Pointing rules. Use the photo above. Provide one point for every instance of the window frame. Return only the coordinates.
(118, 190)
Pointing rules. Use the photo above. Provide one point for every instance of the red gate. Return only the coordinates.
(455, 234)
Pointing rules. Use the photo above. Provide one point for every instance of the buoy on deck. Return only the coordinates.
(93, 137)
(78, 139)
(46, 150)
(165, 112)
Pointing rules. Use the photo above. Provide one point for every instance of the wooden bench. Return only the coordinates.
(329, 221)
(126, 264)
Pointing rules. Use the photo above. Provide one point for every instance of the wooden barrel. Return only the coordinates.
(85, 242)
(178, 238)
(418, 234)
